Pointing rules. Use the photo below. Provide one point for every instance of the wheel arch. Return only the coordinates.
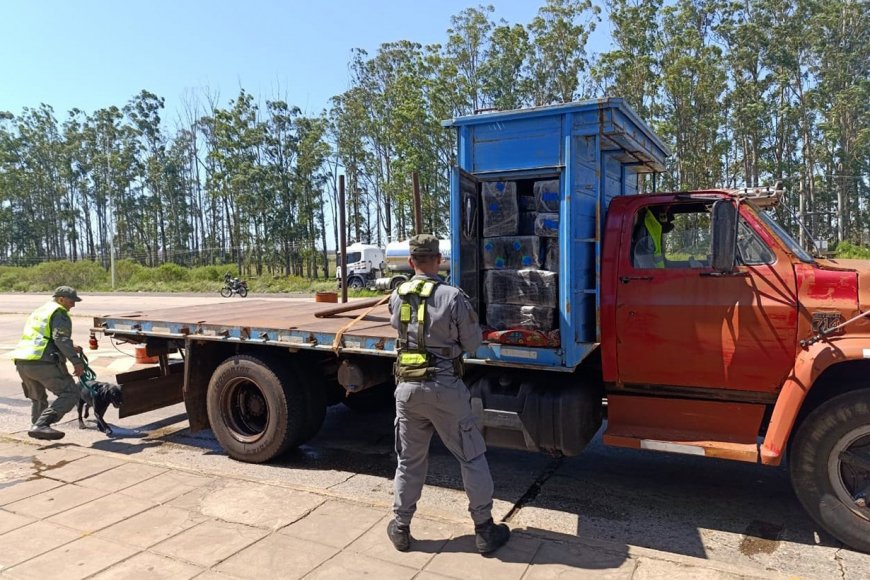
(821, 372)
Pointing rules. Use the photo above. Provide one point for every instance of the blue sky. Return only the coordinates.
(92, 54)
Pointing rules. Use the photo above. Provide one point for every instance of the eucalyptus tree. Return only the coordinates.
(309, 180)
(281, 150)
(693, 82)
(468, 41)
(631, 69)
(841, 46)
(502, 72)
(560, 32)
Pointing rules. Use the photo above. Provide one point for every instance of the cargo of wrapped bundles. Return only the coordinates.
(508, 316)
(527, 202)
(511, 252)
(500, 211)
(547, 225)
(547, 196)
(523, 287)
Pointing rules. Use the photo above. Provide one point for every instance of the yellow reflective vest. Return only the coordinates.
(37, 332)
(654, 229)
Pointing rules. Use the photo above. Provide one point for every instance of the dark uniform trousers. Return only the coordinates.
(442, 406)
(36, 378)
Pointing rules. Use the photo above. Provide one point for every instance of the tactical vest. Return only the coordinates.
(654, 228)
(37, 332)
(414, 364)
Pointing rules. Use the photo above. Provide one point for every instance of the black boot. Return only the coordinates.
(399, 535)
(489, 536)
(45, 432)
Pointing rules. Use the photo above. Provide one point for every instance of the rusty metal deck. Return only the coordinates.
(264, 321)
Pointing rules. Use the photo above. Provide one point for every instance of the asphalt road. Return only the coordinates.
(727, 511)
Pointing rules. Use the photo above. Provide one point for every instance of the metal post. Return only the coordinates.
(111, 215)
(342, 229)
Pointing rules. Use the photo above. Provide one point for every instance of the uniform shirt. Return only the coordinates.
(61, 339)
(451, 322)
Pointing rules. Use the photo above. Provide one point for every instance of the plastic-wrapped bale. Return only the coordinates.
(500, 212)
(551, 260)
(521, 287)
(507, 316)
(527, 202)
(527, 223)
(547, 196)
(511, 253)
(547, 225)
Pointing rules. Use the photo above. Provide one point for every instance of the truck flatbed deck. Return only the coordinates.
(290, 323)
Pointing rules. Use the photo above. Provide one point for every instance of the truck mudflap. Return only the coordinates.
(150, 389)
(524, 411)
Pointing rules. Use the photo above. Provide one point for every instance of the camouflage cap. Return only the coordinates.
(66, 292)
(424, 245)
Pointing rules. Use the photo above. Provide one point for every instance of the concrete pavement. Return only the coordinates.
(74, 512)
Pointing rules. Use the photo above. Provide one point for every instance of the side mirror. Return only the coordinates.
(724, 236)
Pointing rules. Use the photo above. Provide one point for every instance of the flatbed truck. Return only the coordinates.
(736, 345)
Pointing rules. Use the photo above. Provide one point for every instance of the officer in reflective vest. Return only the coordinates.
(436, 323)
(648, 251)
(40, 359)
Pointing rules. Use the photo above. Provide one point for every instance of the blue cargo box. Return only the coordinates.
(596, 150)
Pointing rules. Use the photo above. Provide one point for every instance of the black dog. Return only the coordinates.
(99, 396)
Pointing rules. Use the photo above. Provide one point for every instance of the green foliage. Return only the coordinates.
(743, 93)
(50, 275)
(853, 251)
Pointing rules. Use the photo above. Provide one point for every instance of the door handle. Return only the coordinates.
(627, 279)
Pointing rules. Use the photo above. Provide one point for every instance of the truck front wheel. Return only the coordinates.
(356, 283)
(830, 467)
(256, 410)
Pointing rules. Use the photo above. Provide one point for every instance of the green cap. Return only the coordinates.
(424, 245)
(66, 292)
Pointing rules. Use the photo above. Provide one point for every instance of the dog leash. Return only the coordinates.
(88, 376)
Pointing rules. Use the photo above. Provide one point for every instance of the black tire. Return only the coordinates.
(256, 409)
(829, 467)
(243, 292)
(315, 402)
(226, 292)
(396, 282)
(356, 283)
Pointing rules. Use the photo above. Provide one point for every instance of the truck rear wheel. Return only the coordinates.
(830, 467)
(256, 410)
(356, 283)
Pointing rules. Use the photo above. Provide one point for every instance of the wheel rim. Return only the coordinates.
(245, 410)
(356, 284)
(849, 470)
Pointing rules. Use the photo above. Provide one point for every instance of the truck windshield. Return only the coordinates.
(784, 236)
(353, 257)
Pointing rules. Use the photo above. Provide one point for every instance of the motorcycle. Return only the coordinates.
(234, 286)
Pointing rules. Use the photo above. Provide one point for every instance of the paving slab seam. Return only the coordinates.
(549, 536)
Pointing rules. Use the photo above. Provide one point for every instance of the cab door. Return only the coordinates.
(686, 325)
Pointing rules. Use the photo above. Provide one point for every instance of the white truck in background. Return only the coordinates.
(375, 268)
(397, 269)
(365, 263)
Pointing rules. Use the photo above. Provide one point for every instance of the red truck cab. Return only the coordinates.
(714, 349)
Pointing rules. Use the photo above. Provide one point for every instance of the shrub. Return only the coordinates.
(849, 250)
(84, 275)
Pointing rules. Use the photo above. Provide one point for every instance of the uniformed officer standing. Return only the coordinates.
(436, 324)
(40, 359)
